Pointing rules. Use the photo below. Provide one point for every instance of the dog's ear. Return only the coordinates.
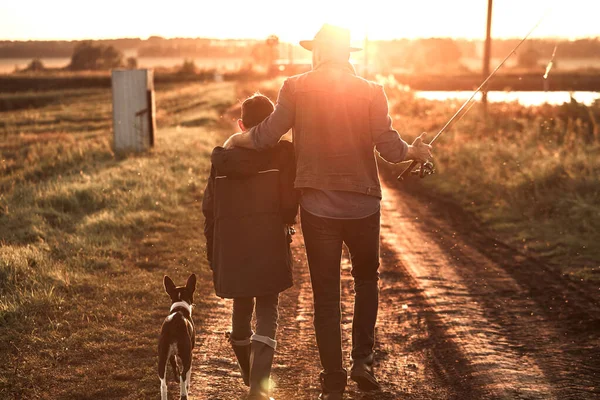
(169, 285)
(191, 283)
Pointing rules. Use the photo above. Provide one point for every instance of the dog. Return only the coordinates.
(177, 336)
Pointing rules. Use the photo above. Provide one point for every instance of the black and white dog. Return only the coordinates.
(177, 336)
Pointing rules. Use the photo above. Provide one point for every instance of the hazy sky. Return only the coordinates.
(291, 20)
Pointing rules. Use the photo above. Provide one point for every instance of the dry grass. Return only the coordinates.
(86, 237)
(528, 173)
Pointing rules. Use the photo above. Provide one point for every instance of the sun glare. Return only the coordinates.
(379, 19)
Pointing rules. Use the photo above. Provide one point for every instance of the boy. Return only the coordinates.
(249, 206)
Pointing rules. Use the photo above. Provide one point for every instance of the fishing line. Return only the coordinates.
(456, 116)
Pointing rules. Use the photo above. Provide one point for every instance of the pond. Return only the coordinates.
(523, 98)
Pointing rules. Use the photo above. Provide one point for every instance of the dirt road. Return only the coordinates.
(462, 316)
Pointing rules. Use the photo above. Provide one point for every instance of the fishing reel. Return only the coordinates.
(290, 231)
(425, 169)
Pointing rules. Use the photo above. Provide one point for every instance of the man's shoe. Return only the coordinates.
(331, 396)
(333, 384)
(362, 374)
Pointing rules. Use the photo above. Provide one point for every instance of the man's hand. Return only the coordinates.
(230, 143)
(419, 151)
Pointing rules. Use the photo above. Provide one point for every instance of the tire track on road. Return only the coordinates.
(499, 369)
(516, 350)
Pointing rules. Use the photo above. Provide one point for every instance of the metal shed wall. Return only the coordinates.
(133, 109)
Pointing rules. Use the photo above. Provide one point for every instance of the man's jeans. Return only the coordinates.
(324, 238)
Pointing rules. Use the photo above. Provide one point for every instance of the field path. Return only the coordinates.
(90, 236)
(462, 316)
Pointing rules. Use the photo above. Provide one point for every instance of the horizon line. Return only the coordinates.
(458, 38)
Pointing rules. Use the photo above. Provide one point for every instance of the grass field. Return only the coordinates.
(86, 235)
(79, 229)
(528, 173)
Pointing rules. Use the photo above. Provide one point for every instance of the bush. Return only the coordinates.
(132, 63)
(528, 58)
(187, 68)
(35, 65)
(88, 56)
(528, 173)
(434, 54)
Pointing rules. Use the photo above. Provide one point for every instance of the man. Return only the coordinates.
(338, 119)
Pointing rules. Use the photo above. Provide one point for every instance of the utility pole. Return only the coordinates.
(487, 54)
(366, 57)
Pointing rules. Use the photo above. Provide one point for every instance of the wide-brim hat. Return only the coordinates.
(332, 36)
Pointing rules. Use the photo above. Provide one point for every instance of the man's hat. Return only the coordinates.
(331, 35)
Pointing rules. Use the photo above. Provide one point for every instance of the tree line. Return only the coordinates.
(57, 48)
(157, 46)
(154, 46)
(423, 55)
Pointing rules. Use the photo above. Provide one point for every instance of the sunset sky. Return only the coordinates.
(292, 21)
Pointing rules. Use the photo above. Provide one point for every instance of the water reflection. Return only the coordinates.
(524, 98)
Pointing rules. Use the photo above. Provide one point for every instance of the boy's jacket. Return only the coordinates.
(248, 201)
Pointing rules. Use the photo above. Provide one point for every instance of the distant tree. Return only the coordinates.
(85, 56)
(259, 53)
(88, 56)
(431, 54)
(111, 58)
(528, 58)
(272, 43)
(187, 68)
(265, 53)
(35, 65)
(132, 62)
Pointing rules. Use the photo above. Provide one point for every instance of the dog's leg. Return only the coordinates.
(162, 375)
(163, 355)
(163, 388)
(187, 378)
(174, 365)
(185, 382)
(186, 361)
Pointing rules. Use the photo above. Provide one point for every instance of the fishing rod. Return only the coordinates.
(427, 167)
(551, 62)
(549, 68)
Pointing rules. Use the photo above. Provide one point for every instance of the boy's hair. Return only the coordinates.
(255, 109)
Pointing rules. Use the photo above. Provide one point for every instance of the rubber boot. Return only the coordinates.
(241, 348)
(261, 360)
